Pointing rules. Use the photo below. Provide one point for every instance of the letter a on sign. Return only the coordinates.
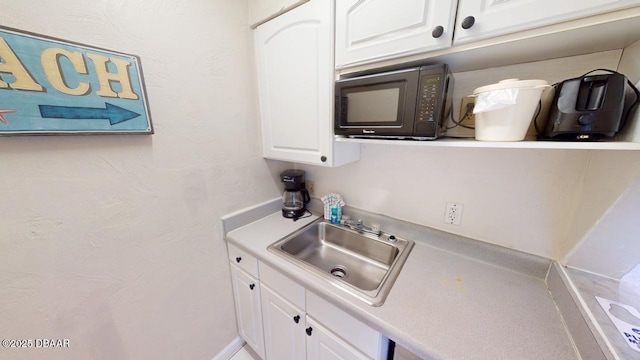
(52, 86)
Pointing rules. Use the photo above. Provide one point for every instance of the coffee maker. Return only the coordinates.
(295, 195)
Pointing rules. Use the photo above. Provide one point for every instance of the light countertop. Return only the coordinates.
(587, 287)
(455, 298)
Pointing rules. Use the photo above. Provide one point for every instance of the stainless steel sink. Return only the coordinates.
(364, 265)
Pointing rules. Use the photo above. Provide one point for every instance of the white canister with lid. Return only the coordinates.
(503, 111)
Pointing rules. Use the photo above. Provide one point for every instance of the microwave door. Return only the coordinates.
(374, 106)
(378, 109)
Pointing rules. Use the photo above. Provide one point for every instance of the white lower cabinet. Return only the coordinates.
(296, 323)
(322, 344)
(246, 291)
(289, 334)
(284, 328)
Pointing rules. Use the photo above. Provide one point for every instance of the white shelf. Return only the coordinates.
(470, 143)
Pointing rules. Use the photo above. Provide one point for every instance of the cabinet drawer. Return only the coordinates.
(364, 338)
(243, 259)
(282, 285)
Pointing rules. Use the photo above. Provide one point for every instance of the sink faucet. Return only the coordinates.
(358, 226)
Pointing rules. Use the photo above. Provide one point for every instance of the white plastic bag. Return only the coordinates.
(495, 99)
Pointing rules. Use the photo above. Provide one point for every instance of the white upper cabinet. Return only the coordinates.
(383, 32)
(295, 65)
(483, 19)
(264, 10)
(370, 30)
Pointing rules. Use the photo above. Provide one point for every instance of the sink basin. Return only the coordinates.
(364, 265)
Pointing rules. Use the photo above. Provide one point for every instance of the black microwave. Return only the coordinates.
(409, 103)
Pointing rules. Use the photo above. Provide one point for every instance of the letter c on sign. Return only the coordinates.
(51, 64)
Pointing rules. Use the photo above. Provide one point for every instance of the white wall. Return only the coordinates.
(522, 199)
(114, 242)
(611, 247)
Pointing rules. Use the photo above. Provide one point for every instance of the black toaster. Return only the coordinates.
(591, 107)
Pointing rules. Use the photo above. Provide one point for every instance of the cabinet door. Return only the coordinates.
(284, 334)
(482, 19)
(246, 292)
(362, 337)
(322, 344)
(369, 30)
(294, 54)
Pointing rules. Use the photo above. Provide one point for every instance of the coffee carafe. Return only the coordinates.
(295, 196)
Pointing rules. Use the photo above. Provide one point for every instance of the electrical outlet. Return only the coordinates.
(466, 111)
(453, 213)
(311, 186)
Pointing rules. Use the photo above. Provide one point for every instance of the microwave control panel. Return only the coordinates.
(429, 97)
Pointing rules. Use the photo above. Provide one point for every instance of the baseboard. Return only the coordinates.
(230, 349)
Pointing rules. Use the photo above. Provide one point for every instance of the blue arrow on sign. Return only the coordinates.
(114, 114)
